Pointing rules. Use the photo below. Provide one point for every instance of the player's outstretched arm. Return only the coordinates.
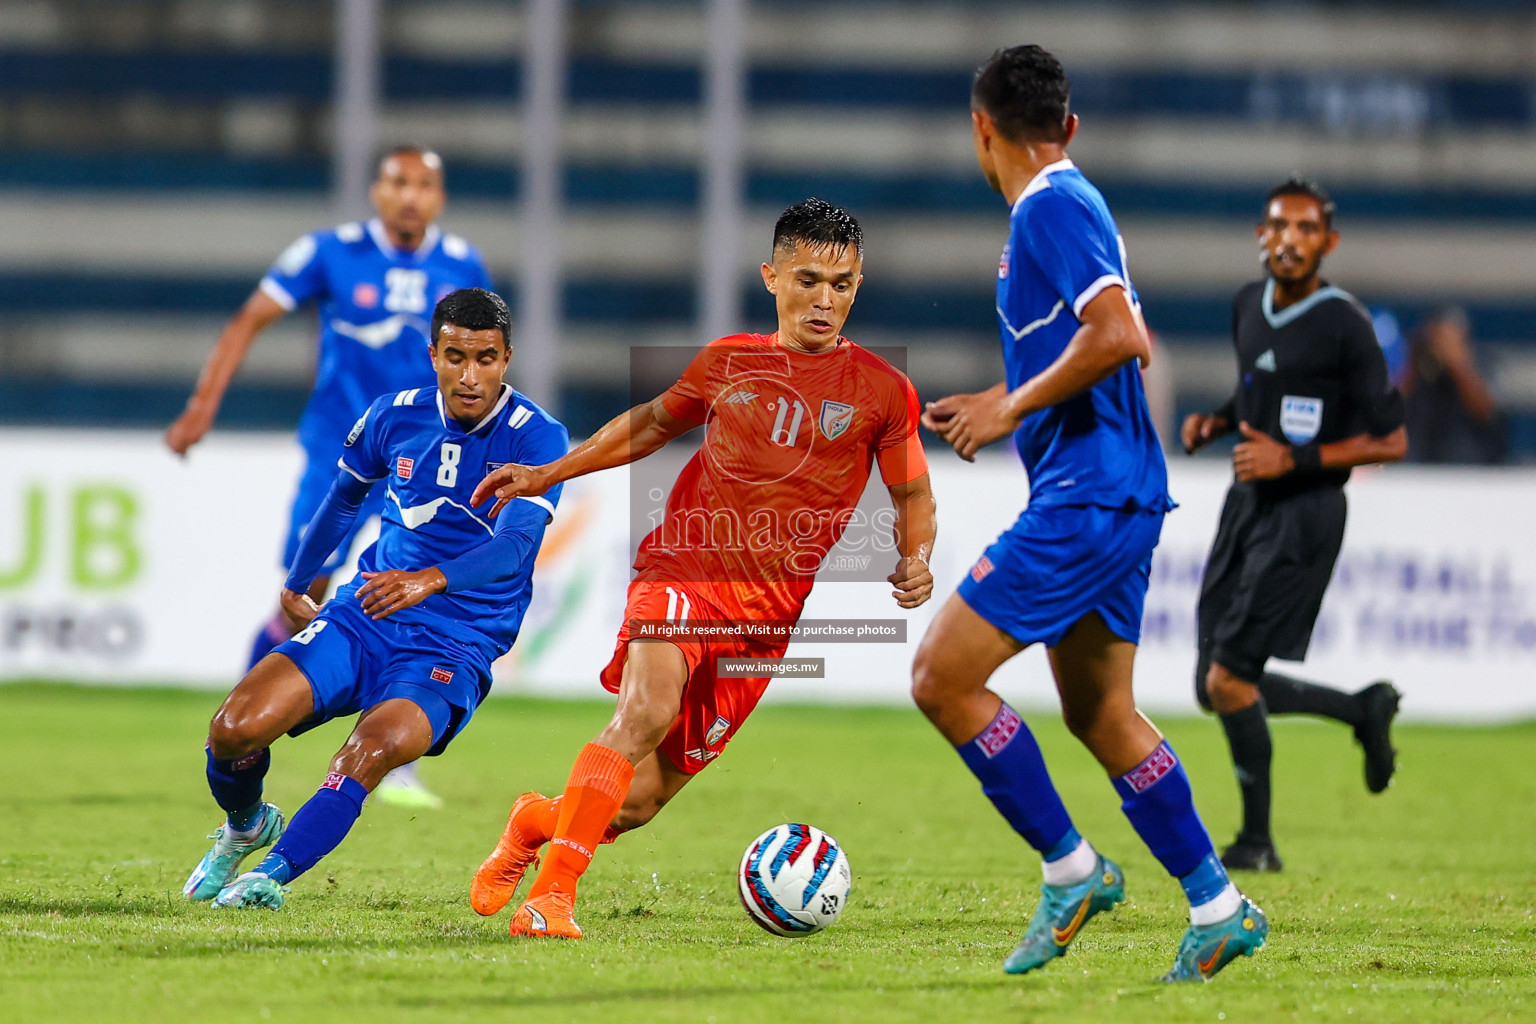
(630, 436)
(259, 312)
(916, 528)
(1261, 457)
(1111, 334)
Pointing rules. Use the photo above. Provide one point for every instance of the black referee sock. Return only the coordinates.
(1285, 695)
(1248, 735)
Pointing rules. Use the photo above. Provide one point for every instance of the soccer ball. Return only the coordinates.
(794, 880)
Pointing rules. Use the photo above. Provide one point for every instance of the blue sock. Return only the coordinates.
(236, 786)
(267, 637)
(1007, 760)
(1156, 797)
(1206, 882)
(1065, 845)
(318, 828)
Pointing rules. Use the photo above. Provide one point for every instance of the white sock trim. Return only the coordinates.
(1074, 867)
(1226, 903)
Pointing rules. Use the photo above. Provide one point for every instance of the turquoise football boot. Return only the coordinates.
(1206, 949)
(1063, 910)
(221, 864)
(251, 889)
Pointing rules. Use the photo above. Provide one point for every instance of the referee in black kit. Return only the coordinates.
(1312, 401)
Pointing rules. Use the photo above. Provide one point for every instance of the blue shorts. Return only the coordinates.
(353, 663)
(314, 484)
(1057, 564)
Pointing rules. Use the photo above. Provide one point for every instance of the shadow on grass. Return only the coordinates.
(90, 906)
(621, 994)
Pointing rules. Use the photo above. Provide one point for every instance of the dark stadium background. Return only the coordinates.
(155, 155)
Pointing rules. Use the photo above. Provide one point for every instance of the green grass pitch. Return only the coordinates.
(1416, 905)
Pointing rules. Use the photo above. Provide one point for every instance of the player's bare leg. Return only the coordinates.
(387, 735)
(657, 780)
(1093, 668)
(949, 683)
(272, 698)
(955, 660)
(650, 695)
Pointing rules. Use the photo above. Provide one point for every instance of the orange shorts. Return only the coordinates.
(713, 708)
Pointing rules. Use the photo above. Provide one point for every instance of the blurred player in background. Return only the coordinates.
(1072, 572)
(795, 422)
(409, 643)
(376, 284)
(1451, 413)
(1313, 400)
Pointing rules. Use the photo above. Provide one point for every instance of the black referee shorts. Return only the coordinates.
(1264, 584)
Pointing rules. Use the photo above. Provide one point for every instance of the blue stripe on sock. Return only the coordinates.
(1066, 845)
(276, 867)
(1206, 882)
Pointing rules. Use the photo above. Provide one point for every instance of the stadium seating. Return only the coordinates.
(155, 155)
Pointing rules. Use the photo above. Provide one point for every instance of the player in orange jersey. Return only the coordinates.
(795, 422)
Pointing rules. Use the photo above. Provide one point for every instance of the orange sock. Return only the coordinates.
(536, 822)
(599, 780)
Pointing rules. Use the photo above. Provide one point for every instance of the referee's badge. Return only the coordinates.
(1300, 418)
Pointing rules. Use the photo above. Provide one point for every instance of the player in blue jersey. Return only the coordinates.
(1072, 572)
(375, 284)
(410, 643)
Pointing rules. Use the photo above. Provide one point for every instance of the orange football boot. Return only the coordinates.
(498, 878)
(551, 915)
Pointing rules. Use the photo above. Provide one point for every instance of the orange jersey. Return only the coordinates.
(790, 441)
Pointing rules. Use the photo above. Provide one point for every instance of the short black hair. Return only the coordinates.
(473, 309)
(1025, 92)
(1296, 185)
(818, 223)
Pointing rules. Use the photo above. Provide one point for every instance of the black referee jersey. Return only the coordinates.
(1311, 373)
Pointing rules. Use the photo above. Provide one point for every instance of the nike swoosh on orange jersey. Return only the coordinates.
(1207, 966)
(1065, 935)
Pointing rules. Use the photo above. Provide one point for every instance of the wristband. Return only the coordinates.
(1306, 458)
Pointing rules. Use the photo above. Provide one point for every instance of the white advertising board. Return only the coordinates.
(120, 563)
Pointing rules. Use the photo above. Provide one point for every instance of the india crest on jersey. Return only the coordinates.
(835, 419)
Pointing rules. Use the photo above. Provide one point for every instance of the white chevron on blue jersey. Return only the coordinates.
(413, 516)
(375, 304)
(381, 332)
(432, 465)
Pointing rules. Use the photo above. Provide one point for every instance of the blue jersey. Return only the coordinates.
(430, 465)
(376, 307)
(1097, 448)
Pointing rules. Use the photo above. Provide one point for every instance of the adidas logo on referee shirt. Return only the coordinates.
(1266, 361)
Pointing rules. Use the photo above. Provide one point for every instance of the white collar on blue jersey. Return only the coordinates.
(1039, 181)
(380, 238)
(451, 423)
